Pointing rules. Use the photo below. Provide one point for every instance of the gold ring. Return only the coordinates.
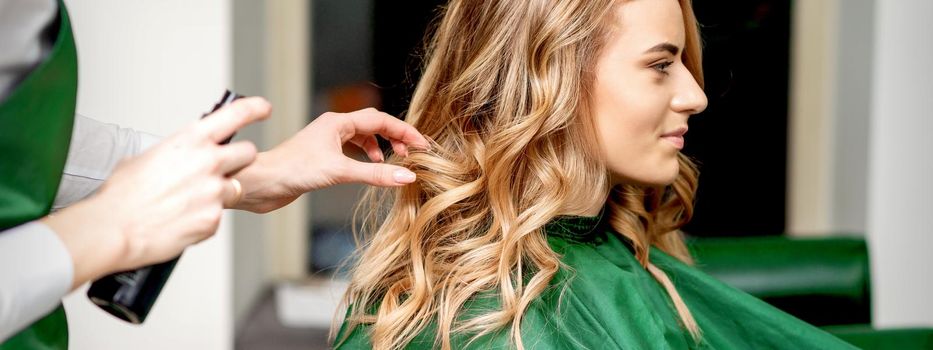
(237, 192)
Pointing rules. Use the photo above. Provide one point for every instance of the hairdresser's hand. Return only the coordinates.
(313, 158)
(156, 204)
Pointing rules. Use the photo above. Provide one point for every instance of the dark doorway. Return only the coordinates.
(740, 142)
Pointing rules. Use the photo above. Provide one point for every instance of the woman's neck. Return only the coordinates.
(587, 206)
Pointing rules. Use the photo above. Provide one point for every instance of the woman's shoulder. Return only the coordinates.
(606, 284)
(733, 319)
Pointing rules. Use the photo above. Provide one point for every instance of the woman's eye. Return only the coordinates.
(661, 67)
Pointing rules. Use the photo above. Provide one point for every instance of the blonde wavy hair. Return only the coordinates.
(504, 96)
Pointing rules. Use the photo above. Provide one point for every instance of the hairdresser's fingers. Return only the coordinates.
(377, 174)
(399, 147)
(370, 145)
(235, 156)
(232, 117)
(370, 122)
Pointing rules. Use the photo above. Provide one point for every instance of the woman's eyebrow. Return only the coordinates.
(673, 49)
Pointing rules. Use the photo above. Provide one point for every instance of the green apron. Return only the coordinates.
(36, 121)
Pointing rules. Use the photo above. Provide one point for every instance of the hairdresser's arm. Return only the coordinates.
(151, 208)
(35, 273)
(36, 268)
(313, 158)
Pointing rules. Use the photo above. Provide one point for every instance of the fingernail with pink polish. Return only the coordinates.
(403, 176)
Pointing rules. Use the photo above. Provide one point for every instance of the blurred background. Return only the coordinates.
(813, 153)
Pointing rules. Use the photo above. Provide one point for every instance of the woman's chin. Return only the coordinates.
(664, 174)
(659, 179)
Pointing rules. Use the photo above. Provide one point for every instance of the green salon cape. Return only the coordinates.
(36, 121)
(610, 301)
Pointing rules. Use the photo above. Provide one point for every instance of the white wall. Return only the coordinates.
(155, 66)
(900, 196)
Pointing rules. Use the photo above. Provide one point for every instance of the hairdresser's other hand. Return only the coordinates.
(313, 159)
(167, 198)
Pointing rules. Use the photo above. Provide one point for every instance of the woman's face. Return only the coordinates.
(644, 94)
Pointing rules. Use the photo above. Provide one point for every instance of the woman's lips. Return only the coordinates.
(676, 137)
(677, 141)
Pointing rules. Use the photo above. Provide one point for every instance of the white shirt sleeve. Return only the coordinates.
(36, 269)
(95, 150)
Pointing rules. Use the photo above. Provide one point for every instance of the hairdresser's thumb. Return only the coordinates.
(378, 174)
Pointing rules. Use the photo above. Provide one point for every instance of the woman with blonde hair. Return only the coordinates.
(547, 211)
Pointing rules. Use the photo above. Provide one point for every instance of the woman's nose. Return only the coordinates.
(689, 98)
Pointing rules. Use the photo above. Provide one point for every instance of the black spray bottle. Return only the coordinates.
(129, 295)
